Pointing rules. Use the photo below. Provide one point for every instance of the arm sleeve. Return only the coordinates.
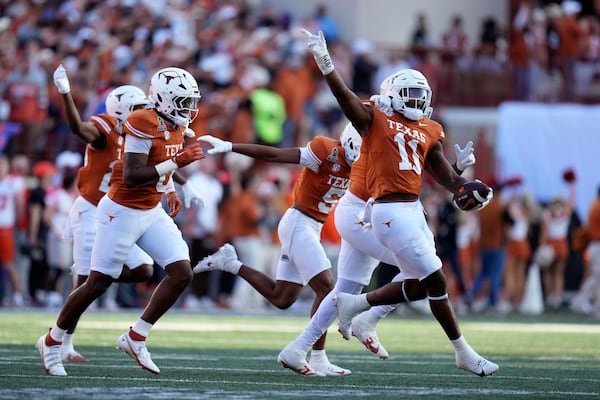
(308, 159)
(134, 144)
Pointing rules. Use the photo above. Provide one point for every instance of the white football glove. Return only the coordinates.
(318, 48)
(189, 133)
(219, 146)
(61, 80)
(191, 194)
(364, 217)
(464, 157)
(383, 104)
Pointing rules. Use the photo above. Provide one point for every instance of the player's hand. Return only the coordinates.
(219, 146)
(61, 80)
(191, 194)
(188, 154)
(318, 47)
(174, 203)
(189, 133)
(383, 104)
(464, 157)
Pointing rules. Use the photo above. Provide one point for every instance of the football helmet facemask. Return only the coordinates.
(410, 93)
(175, 94)
(351, 142)
(122, 100)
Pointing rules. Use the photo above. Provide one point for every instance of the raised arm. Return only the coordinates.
(86, 131)
(353, 108)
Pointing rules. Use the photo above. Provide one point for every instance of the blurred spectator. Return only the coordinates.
(201, 224)
(326, 24)
(569, 49)
(364, 68)
(518, 254)
(520, 51)
(44, 171)
(554, 231)
(420, 37)
(587, 300)
(12, 207)
(493, 222)
(59, 248)
(19, 171)
(243, 219)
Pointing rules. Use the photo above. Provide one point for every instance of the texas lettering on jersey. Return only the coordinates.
(396, 150)
(315, 193)
(166, 142)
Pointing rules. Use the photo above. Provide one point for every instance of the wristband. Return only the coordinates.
(165, 167)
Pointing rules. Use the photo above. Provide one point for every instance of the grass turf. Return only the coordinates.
(234, 357)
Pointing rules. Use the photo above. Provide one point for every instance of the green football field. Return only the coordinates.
(229, 356)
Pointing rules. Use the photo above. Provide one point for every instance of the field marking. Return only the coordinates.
(280, 327)
(344, 390)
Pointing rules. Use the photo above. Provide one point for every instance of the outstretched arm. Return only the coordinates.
(86, 131)
(441, 170)
(268, 153)
(353, 108)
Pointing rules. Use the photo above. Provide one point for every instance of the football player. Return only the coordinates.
(399, 147)
(303, 261)
(130, 213)
(360, 253)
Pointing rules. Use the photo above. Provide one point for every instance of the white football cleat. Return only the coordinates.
(50, 357)
(225, 259)
(367, 335)
(347, 307)
(137, 350)
(294, 358)
(325, 368)
(476, 364)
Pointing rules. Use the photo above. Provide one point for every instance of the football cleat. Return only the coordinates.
(137, 350)
(347, 307)
(325, 368)
(292, 357)
(225, 259)
(50, 357)
(476, 364)
(71, 355)
(366, 334)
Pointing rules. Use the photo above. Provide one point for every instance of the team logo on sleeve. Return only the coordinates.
(333, 158)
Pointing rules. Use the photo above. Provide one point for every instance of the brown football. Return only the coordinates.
(471, 195)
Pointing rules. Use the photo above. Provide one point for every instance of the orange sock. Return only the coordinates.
(136, 336)
(51, 342)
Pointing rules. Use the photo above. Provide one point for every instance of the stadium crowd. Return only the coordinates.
(260, 85)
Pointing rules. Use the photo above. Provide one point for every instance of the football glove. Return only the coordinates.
(191, 194)
(318, 48)
(383, 104)
(219, 146)
(188, 154)
(61, 80)
(464, 157)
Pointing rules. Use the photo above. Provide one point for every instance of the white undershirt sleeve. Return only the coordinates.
(308, 159)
